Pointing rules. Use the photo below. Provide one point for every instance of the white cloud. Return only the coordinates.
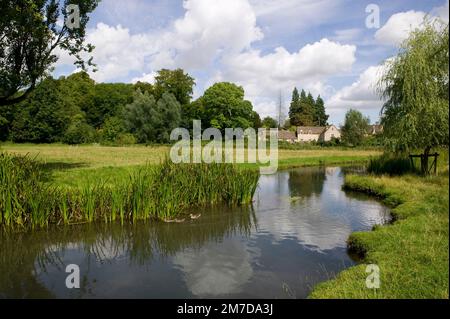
(206, 32)
(264, 76)
(361, 94)
(399, 26)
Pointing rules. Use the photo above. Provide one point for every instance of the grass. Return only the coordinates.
(412, 252)
(153, 192)
(76, 166)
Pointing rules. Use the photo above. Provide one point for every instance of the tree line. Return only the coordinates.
(76, 110)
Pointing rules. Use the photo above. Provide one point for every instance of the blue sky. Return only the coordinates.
(267, 46)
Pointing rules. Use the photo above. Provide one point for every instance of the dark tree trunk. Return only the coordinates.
(424, 161)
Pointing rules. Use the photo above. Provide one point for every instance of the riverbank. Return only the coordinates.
(412, 253)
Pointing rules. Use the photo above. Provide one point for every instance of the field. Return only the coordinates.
(75, 165)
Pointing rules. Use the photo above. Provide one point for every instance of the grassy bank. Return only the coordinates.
(160, 191)
(412, 253)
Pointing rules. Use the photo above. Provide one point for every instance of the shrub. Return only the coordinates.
(391, 164)
(79, 132)
(126, 139)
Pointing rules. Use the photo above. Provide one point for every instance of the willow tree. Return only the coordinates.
(414, 85)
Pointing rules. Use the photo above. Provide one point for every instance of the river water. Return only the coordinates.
(293, 237)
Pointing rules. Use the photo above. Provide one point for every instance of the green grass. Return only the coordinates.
(412, 252)
(76, 166)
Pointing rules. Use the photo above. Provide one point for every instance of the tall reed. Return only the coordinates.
(153, 192)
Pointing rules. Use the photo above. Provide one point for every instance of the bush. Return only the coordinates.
(79, 132)
(112, 129)
(391, 164)
(126, 139)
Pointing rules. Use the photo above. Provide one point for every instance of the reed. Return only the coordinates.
(162, 191)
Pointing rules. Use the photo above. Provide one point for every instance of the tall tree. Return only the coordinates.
(30, 33)
(152, 121)
(306, 115)
(355, 128)
(269, 122)
(320, 116)
(180, 84)
(295, 108)
(42, 117)
(415, 86)
(225, 106)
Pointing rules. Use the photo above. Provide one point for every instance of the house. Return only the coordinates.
(287, 136)
(317, 133)
(282, 135)
(375, 129)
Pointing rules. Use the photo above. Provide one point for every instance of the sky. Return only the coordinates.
(266, 46)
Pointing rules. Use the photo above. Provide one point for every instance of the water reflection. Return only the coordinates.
(293, 237)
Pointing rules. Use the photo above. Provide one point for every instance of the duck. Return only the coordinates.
(195, 216)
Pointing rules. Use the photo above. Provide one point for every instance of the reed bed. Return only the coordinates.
(162, 192)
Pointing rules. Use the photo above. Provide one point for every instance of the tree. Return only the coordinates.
(152, 121)
(320, 117)
(30, 33)
(355, 128)
(109, 100)
(269, 122)
(180, 84)
(305, 117)
(79, 92)
(256, 120)
(225, 107)
(79, 132)
(415, 87)
(112, 129)
(144, 87)
(41, 118)
(294, 110)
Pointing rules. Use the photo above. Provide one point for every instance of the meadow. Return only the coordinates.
(73, 166)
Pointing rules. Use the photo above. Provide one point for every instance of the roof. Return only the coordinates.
(286, 135)
(311, 129)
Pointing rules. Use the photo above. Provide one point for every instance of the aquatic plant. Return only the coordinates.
(153, 192)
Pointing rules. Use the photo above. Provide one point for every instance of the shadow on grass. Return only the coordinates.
(49, 168)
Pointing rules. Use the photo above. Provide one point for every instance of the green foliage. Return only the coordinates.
(269, 122)
(415, 85)
(41, 118)
(225, 107)
(180, 84)
(320, 116)
(257, 123)
(109, 101)
(158, 192)
(145, 87)
(152, 121)
(305, 111)
(126, 139)
(355, 128)
(34, 25)
(79, 132)
(112, 129)
(390, 164)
